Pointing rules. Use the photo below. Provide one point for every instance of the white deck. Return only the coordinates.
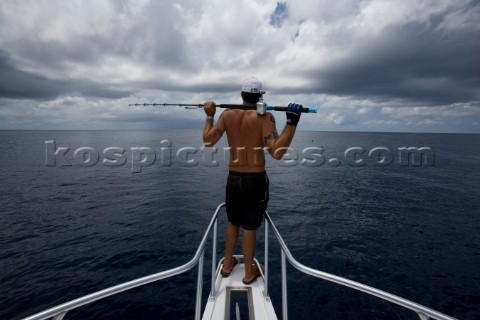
(216, 309)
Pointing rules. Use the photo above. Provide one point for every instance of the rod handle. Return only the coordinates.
(304, 110)
(273, 108)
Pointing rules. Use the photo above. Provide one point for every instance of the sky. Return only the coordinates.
(366, 65)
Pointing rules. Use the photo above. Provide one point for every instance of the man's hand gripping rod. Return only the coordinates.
(261, 107)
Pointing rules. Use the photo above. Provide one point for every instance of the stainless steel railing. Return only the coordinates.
(58, 312)
(422, 311)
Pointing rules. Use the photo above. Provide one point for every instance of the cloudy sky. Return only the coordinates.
(367, 65)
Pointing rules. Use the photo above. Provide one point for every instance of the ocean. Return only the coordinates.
(85, 210)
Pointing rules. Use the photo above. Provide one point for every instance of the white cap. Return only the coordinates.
(252, 84)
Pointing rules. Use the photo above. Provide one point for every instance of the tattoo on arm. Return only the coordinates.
(272, 118)
(271, 136)
(218, 132)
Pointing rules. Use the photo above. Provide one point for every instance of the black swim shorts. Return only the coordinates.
(246, 198)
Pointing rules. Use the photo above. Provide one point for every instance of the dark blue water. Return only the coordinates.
(89, 218)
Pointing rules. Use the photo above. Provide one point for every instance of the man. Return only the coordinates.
(248, 134)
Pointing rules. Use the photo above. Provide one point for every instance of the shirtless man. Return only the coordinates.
(248, 134)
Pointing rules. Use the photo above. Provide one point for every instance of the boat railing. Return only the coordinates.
(58, 312)
(423, 312)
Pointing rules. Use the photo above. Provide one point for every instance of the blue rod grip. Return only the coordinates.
(305, 110)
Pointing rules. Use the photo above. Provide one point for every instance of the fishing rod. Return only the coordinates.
(261, 106)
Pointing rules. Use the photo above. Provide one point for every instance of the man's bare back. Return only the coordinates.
(248, 134)
(246, 138)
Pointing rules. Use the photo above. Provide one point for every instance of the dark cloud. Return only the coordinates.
(153, 42)
(18, 84)
(53, 54)
(217, 85)
(154, 38)
(417, 61)
(204, 87)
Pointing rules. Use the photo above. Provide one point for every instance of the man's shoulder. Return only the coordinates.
(268, 117)
(228, 113)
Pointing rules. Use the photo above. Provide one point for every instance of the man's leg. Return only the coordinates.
(230, 242)
(248, 246)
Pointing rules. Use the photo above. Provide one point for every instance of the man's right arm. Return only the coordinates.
(276, 144)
